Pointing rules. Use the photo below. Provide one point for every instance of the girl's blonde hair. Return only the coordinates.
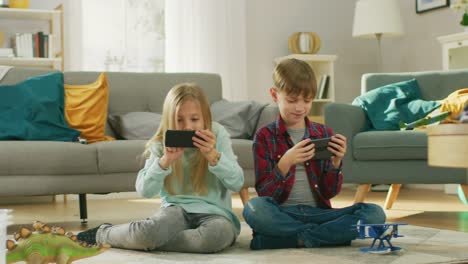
(295, 77)
(176, 96)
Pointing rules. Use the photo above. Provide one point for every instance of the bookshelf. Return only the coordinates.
(454, 51)
(322, 65)
(53, 18)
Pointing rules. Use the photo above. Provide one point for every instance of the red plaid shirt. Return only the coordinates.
(270, 144)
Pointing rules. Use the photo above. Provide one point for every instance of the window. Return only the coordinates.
(123, 35)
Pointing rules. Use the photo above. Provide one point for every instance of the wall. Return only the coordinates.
(271, 22)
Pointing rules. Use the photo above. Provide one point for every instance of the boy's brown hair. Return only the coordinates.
(295, 77)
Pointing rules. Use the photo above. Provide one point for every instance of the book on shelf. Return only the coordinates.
(6, 52)
(32, 45)
(322, 90)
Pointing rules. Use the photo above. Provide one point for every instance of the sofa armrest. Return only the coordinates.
(347, 120)
(268, 115)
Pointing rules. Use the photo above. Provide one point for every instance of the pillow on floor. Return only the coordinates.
(34, 110)
(86, 108)
(135, 125)
(386, 106)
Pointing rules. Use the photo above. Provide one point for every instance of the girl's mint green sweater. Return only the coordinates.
(224, 177)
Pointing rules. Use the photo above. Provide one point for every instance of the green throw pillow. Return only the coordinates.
(33, 110)
(387, 105)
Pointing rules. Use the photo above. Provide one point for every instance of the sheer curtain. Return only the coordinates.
(123, 35)
(208, 36)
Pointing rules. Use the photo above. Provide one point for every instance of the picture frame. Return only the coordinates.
(428, 5)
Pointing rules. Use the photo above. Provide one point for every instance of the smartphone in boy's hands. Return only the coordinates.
(321, 151)
(180, 138)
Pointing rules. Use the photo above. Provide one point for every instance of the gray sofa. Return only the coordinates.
(393, 157)
(49, 167)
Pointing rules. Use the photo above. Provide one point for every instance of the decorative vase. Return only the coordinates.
(304, 43)
(19, 3)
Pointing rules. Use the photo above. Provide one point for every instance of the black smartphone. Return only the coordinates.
(180, 138)
(321, 151)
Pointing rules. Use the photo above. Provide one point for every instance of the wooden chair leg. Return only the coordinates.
(244, 195)
(392, 195)
(361, 193)
(464, 188)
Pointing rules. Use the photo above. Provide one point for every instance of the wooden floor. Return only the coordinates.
(428, 208)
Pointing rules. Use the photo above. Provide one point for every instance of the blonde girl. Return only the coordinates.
(194, 185)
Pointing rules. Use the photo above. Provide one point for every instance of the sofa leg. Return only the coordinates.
(464, 189)
(361, 193)
(392, 195)
(244, 195)
(83, 208)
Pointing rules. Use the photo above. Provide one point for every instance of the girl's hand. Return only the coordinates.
(170, 155)
(206, 142)
(337, 146)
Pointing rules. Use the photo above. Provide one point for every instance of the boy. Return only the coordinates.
(293, 208)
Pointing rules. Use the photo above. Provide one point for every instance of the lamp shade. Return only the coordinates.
(373, 17)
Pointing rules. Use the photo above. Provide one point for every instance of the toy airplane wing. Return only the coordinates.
(378, 230)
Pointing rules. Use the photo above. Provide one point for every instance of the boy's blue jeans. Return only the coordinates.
(276, 226)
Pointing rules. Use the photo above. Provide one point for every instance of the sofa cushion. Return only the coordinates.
(120, 156)
(386, 106)
(239, 118)
(34, 110)
(135, 125)
(390, 145)
(86, 108)
(46, 158)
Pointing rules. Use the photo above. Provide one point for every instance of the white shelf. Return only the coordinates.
(55, 20)
(454, 51)
(31, 62)
(453, 37)
(309, 57)
(31, 14)
(322, 65)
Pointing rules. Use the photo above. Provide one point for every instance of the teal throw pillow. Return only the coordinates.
(34, 110)
(387, 105)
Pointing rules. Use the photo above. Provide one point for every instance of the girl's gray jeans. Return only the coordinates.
(171, 229)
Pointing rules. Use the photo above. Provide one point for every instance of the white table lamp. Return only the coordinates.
(377, 19)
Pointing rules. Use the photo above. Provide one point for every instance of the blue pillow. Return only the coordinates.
(34, 110)
(387, 105)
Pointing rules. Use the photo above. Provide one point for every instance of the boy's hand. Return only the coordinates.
(337, 146)
(299, 153)
(170, 155)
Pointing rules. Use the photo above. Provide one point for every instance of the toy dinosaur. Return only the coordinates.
(49, 245)
(424, 121)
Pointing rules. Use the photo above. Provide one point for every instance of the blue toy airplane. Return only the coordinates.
(382, 234)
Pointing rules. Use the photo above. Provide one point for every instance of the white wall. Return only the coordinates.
(271, 22)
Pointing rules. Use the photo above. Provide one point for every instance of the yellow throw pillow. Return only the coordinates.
(86, 108)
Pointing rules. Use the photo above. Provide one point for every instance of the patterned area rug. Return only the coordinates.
(421, 245)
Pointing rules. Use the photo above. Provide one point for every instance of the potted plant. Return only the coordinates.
(461, 5)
